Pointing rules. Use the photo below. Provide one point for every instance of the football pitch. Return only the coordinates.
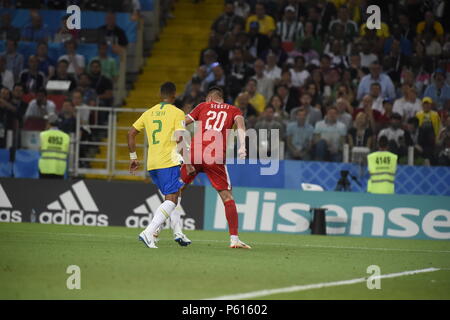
(114, 265)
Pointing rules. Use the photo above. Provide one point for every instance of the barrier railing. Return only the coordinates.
(110, 143)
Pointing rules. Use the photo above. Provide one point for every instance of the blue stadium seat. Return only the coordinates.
(90, 19)
(26, 164)
(5, 164)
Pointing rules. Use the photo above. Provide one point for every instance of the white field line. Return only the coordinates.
(260, 293)
(100, 235)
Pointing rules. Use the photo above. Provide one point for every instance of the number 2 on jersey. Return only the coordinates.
(220, 118)
(154, 141)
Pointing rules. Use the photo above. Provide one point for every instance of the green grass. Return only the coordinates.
(114, 265)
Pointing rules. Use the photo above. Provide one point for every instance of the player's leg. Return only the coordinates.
(176, 223)
(169, 184)
(220, 180)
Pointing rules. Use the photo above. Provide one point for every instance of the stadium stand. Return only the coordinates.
(284, 63)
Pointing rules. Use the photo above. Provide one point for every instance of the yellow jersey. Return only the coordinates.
(160, 123)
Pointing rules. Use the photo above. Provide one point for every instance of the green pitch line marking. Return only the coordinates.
(260, 293)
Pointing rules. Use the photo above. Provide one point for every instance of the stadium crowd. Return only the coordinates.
(313, 70)
(25, 103)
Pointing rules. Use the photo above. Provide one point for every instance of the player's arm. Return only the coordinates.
(134, 163)
(240, 124)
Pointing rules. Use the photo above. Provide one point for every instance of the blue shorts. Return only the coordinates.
(167, 180)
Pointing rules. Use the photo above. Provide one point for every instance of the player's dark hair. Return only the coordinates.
(168, 89)
(216, 90)
(383, 142)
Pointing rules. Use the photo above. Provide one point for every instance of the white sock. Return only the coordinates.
(160, 216)
(175, 219)
(234, 238)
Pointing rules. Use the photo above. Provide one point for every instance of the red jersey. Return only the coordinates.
(210, 141)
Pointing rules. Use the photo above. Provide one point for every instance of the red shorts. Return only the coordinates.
(216, 173)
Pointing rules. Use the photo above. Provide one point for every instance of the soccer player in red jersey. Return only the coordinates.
(208, 152)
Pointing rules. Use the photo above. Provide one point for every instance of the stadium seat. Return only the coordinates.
(26, 164)
(5, 163)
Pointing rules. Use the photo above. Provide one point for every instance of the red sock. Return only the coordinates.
(232, 217)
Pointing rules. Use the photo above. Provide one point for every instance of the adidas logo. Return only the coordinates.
(75, 207)
(7, 214)
(143, 214)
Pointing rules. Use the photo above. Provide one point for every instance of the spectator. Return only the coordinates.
(36, 31)
(405, 29)
(209, 58)
(382, 32)
(84, 86)
(265, 84)
(429, 119)
(19, 103)
(46, 64)
(375, 93)
(366, 55)
(228, 18)
(65, 34)
(256, 99)
(313, 115)
(14, 60)
(40, 107)
(277, 104)
(276, 48)
(432, 47)
(288, 95)
(109, 64)
(7, 30)
(439, 91)
(77, 101)
(257, 42)
(360, 135)
(376, 75)
(218, 79)
(272, 71)
(238, 73)
(8, 115)
(101, 84)
(299, 137)
(395, 135)
(6, 76)
(76, 61)
(409, 104)
(196, 95)
(267, 122)
(113, 34)
(289, 28)
(349, 26)
(62, 74)
(430, 25)
(66, 118)
(415, 138)
(266, 22)
(342, 105)
(248, 111)
(32, 79)
(299, 74)
(444, 145)
(312, 39)
(329, 137)
(374, 116)
(241, 8)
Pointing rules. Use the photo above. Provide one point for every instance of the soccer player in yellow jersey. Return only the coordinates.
(160, 124)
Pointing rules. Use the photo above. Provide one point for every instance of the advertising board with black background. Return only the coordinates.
(91, 202)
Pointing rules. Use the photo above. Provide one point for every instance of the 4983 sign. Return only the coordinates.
(91, 203)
